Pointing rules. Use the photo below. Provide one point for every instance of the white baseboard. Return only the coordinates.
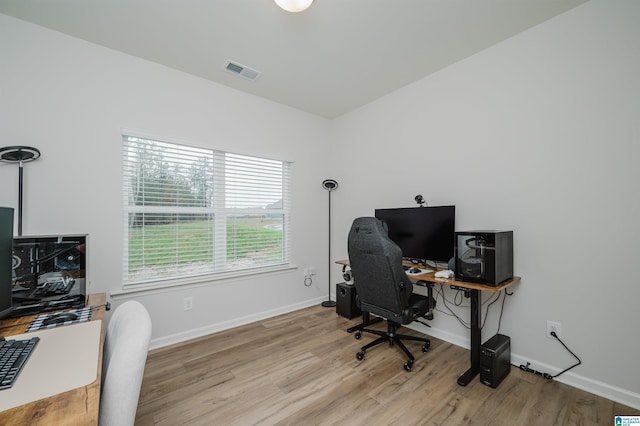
(595, 387)
(226, 325)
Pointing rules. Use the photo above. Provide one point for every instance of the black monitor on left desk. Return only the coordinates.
(422, 233)
(6, 241)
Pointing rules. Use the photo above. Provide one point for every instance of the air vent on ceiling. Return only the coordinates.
(242, 71)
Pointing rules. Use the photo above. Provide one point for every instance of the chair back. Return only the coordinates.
(382, 285)
(125, 354)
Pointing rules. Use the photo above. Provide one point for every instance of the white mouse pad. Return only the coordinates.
(65, 358)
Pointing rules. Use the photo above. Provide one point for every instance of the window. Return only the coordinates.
(192, 211)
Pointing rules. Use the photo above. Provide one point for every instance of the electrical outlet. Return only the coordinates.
(187, 303)
(554, 326)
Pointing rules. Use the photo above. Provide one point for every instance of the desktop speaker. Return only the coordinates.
(484, 257)
(495, 360)
(346, 301)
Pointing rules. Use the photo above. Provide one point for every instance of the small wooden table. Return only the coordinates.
(79, 406)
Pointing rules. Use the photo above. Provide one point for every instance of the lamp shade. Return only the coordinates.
(294, 5)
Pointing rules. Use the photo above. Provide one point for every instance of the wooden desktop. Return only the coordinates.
(79, 406)
(472, 291)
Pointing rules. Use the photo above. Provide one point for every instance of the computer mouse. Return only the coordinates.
(60, 318)
(414, 271)
(447, 273)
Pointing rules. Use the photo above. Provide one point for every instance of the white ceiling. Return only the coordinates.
(328, 60)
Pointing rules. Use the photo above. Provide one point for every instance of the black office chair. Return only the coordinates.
(382, 286)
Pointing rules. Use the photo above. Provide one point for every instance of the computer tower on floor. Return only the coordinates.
(495, 360)
(346, 301)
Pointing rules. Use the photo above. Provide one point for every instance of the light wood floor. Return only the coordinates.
(300, 369)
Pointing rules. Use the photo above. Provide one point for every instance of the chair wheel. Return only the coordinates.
(408, 365)
(426, 347)
(360, 355)
(358, 335)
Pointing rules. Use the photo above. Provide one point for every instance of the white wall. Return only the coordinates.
(539, 135)
(71, 99)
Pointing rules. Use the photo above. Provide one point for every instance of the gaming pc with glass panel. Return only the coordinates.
(49, 272)
(484, 257)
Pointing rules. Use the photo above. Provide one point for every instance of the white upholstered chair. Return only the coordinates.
(125, 354)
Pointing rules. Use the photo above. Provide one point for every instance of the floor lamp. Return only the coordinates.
(20, 155)
(330, 185)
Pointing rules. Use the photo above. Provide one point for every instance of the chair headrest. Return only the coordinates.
(370, 224)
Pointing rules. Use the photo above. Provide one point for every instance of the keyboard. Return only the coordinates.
(13, 356)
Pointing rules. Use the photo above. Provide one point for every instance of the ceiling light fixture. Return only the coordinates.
(294, 5)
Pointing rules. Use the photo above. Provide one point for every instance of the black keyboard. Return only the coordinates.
(13, 356)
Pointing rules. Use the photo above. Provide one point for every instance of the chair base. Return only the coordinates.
(393, 338)
(366, 321)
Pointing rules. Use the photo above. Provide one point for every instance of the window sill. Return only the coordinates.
(199, 281)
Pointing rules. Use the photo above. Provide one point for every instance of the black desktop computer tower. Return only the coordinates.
(495, 360)
(484, 257)
(346, 301)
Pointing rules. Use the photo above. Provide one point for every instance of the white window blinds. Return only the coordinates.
(192, 211)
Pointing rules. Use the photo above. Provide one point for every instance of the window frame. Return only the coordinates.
(220, 216)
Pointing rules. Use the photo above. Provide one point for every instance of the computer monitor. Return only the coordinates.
(422, 233)
(6, 244)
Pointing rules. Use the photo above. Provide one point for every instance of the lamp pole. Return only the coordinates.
(330, 185)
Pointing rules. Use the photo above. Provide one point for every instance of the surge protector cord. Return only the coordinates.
(553, 333)
(547, 375)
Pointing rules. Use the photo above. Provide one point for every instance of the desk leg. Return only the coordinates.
(476, 337)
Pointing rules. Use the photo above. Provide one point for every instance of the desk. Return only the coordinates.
(77, 406)
(472, 291)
